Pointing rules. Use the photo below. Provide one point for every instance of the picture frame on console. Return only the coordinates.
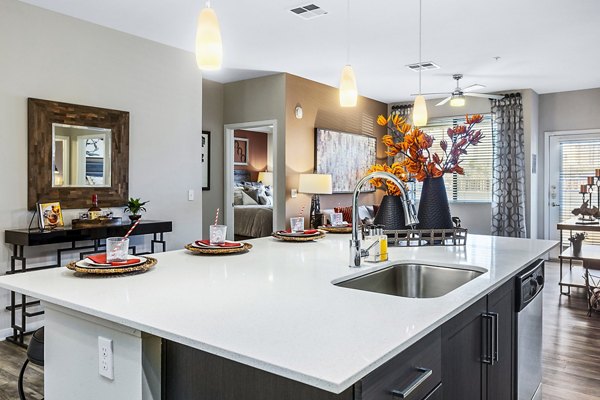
(205, 160)
(345, 156)
(50, 215)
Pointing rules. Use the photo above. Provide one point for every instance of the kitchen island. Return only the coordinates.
(275, 309)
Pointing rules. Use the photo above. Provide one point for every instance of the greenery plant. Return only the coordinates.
(136, 206)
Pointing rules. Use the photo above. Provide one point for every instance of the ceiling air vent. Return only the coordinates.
(308, 11)
(424, 66)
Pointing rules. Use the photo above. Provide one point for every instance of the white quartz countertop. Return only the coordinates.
(275, 308)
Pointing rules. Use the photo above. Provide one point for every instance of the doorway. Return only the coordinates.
(570, 158)
(251, 162)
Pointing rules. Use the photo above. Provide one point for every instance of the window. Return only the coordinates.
(476, 183)
(578, 160)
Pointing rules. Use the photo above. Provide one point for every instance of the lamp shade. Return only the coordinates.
(315, 184)
(348, 90)
(266, 178)
(209, 49)
(457, 101)
(420, 111)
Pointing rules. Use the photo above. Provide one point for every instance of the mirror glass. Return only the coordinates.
(80, 156)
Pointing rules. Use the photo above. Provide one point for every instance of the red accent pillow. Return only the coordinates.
(346, 213)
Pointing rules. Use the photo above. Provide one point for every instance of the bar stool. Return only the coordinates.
(35, 354)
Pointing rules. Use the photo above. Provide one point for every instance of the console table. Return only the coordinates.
(575, 276)
(21, 238)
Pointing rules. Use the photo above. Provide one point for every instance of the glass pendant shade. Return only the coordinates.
(457, 101)
(209, 48)
(348, 90)
(419, 111)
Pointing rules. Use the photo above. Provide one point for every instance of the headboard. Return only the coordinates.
(241, 175)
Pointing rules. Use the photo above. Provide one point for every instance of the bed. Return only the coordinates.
(251, 219)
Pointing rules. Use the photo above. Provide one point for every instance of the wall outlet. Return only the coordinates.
(191, 195)
(105, 358)
(294, 193)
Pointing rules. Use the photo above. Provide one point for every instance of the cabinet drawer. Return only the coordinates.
(413, 373)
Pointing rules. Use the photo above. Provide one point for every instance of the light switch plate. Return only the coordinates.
(294, 193)
(191, 195)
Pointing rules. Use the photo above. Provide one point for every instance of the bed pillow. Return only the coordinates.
(247, 200)
(237, 196)
(253, 192)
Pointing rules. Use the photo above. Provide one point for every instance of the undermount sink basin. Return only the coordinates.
(412, 280)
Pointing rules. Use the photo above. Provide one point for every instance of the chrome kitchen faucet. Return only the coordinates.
(410, 215)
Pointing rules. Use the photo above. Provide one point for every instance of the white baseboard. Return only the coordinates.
(31, 326)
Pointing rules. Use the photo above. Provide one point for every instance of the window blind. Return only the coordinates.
(476, 183)
(578, 160)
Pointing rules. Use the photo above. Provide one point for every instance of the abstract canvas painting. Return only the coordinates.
(346, 156)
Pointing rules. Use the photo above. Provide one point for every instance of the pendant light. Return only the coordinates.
(420, 107)
(348, 90)
(209, 49)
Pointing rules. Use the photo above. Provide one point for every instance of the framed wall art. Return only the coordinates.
(205, 160)
(240, 151)
(346, 156)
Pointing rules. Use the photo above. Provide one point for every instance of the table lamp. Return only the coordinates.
(315, 184)
(266, 178)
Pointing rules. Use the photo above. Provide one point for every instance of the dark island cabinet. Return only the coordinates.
(478, 345)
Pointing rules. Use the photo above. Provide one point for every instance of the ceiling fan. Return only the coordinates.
(457, 97)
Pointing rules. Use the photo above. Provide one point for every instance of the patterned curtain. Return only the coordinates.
(508, 183)
(403, 110)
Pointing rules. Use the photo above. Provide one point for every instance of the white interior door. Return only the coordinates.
(570, 158)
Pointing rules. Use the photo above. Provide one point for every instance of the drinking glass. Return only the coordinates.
(217, 234)
(337, 219)
(116, 249)
(297, 224)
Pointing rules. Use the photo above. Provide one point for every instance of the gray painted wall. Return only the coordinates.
(212, 120)
(51, 56)
(564, 111)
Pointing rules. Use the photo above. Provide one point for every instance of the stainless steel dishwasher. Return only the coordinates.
(529, 331)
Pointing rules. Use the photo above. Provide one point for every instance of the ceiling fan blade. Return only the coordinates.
(432, 94)
(441, 103)
(485, 95)
(476, 86)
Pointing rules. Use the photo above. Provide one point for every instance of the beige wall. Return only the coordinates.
(261, 99)
(212, 121)
(564, 111)
(51, 56)
(321, 107)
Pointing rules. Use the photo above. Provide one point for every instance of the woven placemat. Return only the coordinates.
(307, 238)
(221, 251)
(150, 262)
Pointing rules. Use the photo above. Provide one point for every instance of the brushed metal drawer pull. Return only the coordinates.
(404, 393)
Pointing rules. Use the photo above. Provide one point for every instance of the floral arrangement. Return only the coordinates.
(415, 146)
(578, 237)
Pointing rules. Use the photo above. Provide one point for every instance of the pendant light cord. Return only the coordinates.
(420, 22)
(348, 32)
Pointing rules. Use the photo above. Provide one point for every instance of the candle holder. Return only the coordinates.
(587, 215)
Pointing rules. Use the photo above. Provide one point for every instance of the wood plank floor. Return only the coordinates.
(571, 351)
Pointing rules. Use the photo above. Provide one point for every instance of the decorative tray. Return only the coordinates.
(96, 223)
(219, 251)
(300, 238)
(336, 229)
(143, 267)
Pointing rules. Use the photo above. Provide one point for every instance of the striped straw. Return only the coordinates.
(301, 212)
(217, 217)
(118, 246)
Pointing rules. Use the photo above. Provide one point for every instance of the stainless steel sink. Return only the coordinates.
(412, 280)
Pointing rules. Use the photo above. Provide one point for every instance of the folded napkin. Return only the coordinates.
(101, 259)
(224, 244)
(306, 232)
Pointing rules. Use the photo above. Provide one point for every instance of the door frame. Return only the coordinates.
(229, 131)
(548, 135)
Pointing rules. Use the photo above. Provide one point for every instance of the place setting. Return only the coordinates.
(297, 233)
(115, 260)
(217, 244)
(337, 225)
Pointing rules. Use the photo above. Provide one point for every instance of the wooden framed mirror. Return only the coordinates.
(76, 151)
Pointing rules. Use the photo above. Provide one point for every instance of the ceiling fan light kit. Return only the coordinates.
(209, 47)
(457, 100)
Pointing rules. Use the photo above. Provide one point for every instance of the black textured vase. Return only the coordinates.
(390, 213)
(434, 211)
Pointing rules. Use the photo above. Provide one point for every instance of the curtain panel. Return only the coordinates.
(508, 182)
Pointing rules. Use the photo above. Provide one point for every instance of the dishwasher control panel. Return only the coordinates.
(529, 284)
